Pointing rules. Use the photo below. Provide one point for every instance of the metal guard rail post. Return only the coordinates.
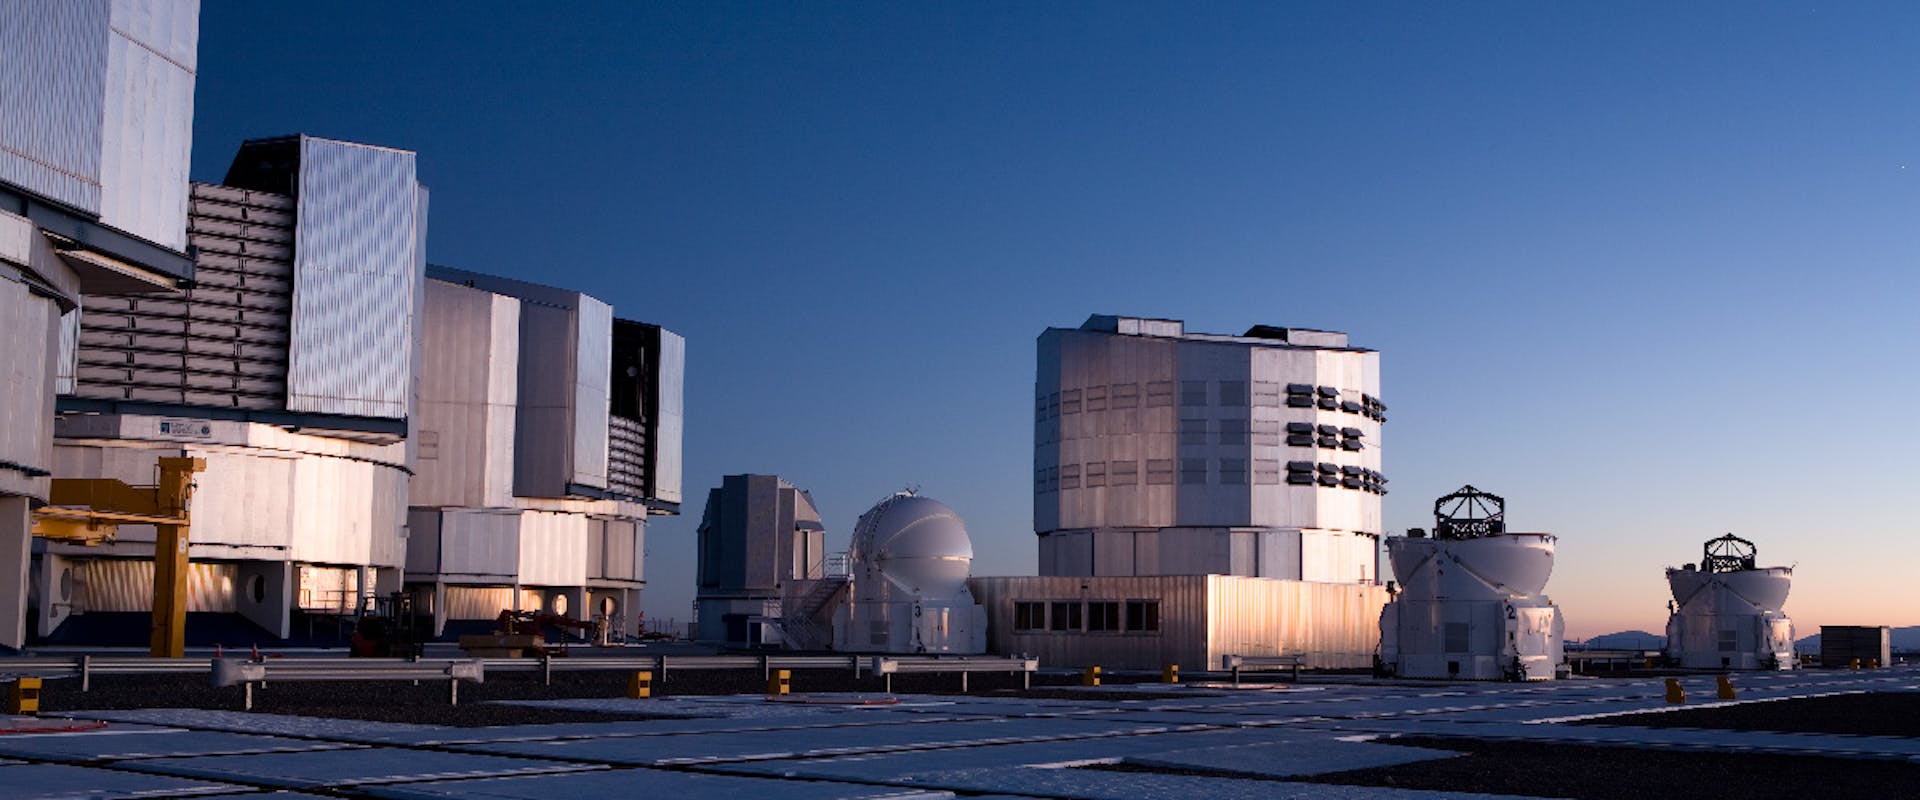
(229, 671)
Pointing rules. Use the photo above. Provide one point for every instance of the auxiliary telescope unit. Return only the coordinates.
(1469, 604)
(1727, 611)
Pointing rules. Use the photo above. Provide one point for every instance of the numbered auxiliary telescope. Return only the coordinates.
(1727, 611)
(1469, 605)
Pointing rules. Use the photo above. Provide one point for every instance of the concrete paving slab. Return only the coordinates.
(648, 783)
(840, 740)
(903, 766)
(251, 722)
(116, 745)
(1292, 758)
(64, 782)
(350, 767)
(674, 727)
(1087, 784)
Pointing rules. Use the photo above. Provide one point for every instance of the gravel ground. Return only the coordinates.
(1608, 773)
(426, 704)
(1875, 714)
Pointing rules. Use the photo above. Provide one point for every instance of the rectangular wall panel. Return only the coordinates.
(356, 275)
(670, 419)
(592, 366)
(148, 125)
(53, 71)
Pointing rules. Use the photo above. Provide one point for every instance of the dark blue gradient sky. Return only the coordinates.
(1648, 270)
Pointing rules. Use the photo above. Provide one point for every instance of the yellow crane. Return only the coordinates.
(89, 511)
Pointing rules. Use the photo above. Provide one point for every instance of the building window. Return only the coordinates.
(1123, 473)
(1096, 398)
(1729, 640)
(1096, 474)
(1233, 432)
(1233, 471)
(1070, 476)
(1233, 393)
(1193, 471)
(1143, 615)
(1070, 401)
(1053, 405)
(1266, 393)
(1029, 616)
(1266, 472)
(1159, 471)
(1193, 431)
(1066, 616)
(1103, 616)
(1126, 395)
(1266, 432)
(1159, 393)
(1040, 409)
(1193, 393)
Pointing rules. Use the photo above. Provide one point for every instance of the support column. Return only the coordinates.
(439, 610)
(16, 559)
(579, 607)
(169, 592)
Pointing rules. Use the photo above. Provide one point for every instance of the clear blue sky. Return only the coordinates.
(1648, 270)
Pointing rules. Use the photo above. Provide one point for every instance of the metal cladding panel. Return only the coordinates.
(666, 469)
(148, 125)
(26, 370)
(53, 87)
(464, 441)
(592, 391)
(243, 499)
(479, 543)
(356, 272)
(423, 541)
(478, 602)
(348, 512)
(553, 548)
(1220, 499)
(543, 413)
(620, 549)
(1106, 431)
(1334, 625)
(119, 584)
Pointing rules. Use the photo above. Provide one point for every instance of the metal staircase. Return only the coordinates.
(804, 601)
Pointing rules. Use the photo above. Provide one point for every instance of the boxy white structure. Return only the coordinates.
(548, 432)
(94, 138)
(765, 577)
(1727, 612)
(1470, 604)
(288, 365)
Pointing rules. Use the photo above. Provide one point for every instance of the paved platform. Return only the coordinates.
(1172, 742)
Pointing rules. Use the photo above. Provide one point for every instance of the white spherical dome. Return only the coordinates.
(915, 541)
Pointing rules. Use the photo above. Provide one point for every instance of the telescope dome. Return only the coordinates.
(915, 541)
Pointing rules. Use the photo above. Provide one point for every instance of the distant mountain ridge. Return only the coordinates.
(1626, 640)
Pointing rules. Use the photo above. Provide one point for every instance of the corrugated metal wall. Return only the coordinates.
(118, 584)
(356, 275)
(148, 126)
(479, 544)
(1335, 625)
(26, 405)
(553, 548)
(1202, 618)
(223, 343)
(468, 389)
(592, 392)
(671, 418)
(53, 71)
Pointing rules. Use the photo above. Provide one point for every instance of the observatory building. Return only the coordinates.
(909, 565)
(94, 140)
(1199, 495)
(1727, 611)
(1470, 603)
(548, 432)
(763, 576)
(288, 366)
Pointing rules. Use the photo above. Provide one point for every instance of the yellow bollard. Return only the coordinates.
(23, 697)
(1170, 673)
(1091, 677)
(1854, 664)
(1873, 663)
(1726, 691)
(1675, 694)
(780, 682)
(640, 686)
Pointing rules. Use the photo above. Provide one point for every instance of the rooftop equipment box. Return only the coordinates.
(1841, 644)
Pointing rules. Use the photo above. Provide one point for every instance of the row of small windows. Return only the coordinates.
(1308, 473)
(1266, 432)
(1197, 472)
(1232, 394)
(1092, 616)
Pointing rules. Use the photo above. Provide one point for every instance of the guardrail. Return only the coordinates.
(1235, 664)
(889, 666)
(246, 672)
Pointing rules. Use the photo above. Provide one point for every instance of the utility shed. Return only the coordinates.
(1190, 620)
(1841, 644)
